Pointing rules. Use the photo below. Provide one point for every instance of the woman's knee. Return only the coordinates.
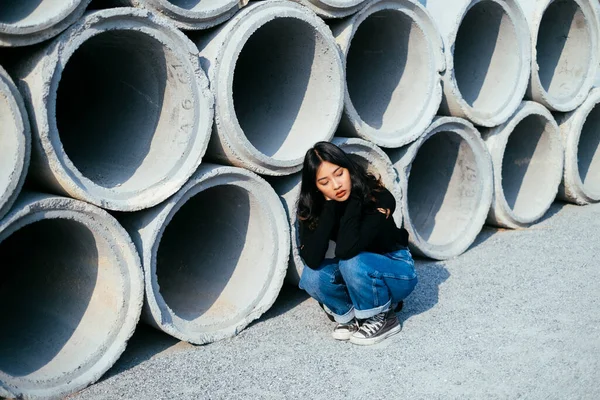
(316, 281)
(356, 267)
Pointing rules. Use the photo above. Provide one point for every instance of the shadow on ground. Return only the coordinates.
(431, 275)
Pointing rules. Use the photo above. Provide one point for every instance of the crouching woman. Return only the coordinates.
(372, 271)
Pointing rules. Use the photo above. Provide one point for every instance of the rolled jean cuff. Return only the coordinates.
(341, 319)
(364, 314)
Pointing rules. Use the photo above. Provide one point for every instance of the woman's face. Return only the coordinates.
(333, 181)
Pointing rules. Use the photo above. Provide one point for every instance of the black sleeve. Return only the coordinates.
(359, 229)
(314, 243)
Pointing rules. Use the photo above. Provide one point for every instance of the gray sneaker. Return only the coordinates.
(377, 328)
(346, 330)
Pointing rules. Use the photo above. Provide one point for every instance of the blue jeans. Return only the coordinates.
(362, 286)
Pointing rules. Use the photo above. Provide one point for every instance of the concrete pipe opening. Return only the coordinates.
(588, 154)
(487, 61)
(15, 142)
(446, 179)
(282, 88)
(26, 22)
(128, 115)
(391, 75)
(531, 168)
(564, 54)
(219, 249)
(278, 80)
(528, 160)
(69, 306)
(580, 130)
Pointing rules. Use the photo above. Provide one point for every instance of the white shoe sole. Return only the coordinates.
(374, 340)
(342, 336)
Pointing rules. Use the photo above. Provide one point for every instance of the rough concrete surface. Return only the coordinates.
(189, 14)
(394, 56)
(446, 179)
(27, 22)
(144, 110)
(278, 81)
(528, 157)
(214, 255)
(15, 142)
(517, 316)
(488, 57)
(565, 35)
(580, 130)
(71, 292)
(329, 9)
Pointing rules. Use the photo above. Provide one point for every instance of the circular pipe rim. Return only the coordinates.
(251, 19)
(419, 15)
(146, 23)
(576, 121)
(542, 96)
(471, 136)
(35, 207)
(164, 214)
(519, 22)
(504, 214)
(19, 112)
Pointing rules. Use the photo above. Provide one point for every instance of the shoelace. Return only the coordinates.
(373, 324)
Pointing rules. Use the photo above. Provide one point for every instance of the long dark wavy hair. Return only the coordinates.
(311, 201)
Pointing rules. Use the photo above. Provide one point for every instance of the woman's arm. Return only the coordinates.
(314, 244)
(358, 230)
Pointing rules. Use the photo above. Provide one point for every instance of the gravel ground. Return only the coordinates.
(517, 316)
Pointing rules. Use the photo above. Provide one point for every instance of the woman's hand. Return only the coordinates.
(385, 211)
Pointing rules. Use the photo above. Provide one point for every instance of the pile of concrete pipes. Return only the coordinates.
(151, 151)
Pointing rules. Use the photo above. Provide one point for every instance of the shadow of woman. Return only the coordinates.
(431, 275)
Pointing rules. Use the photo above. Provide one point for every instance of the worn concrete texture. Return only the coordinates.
(120, 110)
(27, 22)
(517, 316)
(71, 292)
(580, 131)
(565, 36)
(278, 81)
(394, 56)
(15, 142)
(187, 14)
(214, 255)
(447, 182)
(488, 57)
(528, 157)
(331, 9)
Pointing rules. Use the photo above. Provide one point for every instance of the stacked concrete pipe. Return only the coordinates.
(527, 155)
(15, 142)
(214, 255)
(446, 181)
(278, 81)
(120, 110)
(488, 57)
(27, 22)
(565, 45)
(394, 55)
(580, 131)
(188, 15)
(71, 289)
(328, 9)
(288, 188)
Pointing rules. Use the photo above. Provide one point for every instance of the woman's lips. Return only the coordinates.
(340, 194)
